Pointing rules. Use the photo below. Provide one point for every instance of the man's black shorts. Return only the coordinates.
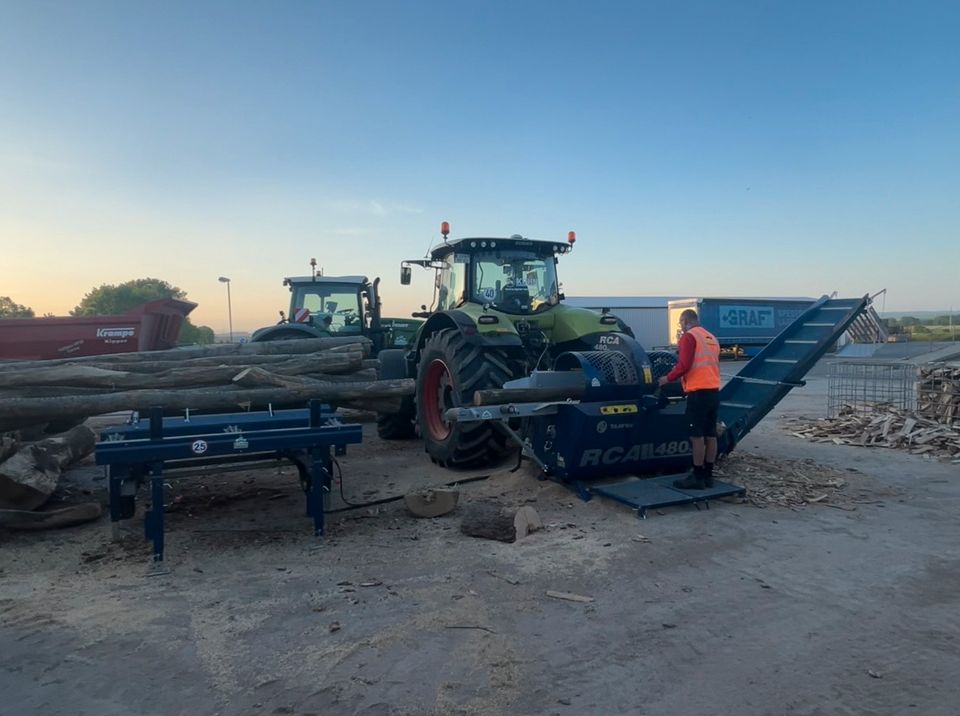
(702, 407)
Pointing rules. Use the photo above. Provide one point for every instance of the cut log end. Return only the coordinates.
(490, 521)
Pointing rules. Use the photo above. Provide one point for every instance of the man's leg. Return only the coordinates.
(710, 457)
(710, 417)
(710, 450)
(699, 445)
(694, 481)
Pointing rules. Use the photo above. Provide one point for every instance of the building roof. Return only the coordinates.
(619, 301)
(744, 298)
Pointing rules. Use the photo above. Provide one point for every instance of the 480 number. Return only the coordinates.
(672, 448)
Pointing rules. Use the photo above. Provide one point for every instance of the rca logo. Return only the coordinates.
(611, 340)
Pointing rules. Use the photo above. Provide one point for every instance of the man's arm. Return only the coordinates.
(688, 347)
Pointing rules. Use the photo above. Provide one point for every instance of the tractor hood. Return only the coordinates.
(560, 323)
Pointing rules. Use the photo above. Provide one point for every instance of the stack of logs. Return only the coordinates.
(938, 394)
(209, 378)
(56, 396)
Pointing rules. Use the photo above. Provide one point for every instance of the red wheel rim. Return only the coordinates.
(437, 399)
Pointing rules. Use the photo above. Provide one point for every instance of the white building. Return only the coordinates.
(646, 315)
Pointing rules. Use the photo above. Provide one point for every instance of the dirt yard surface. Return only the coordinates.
(797, 604)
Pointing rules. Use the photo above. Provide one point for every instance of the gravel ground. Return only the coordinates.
(847, 605)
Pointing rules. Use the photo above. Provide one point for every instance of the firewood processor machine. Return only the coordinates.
(622, 424)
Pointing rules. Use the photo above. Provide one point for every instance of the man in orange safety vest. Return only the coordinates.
(698, 368)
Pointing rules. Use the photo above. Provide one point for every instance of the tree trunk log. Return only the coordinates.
(498, 396)
(29, 478)
(258, 377)
(84, 376)
(296, 346)
(240, 361)
(46, 391)
(379, 405)
(255, 376)
(9, 444)
(22, 411)
(50, 519)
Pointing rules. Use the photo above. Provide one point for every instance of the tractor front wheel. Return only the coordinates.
(449, 372)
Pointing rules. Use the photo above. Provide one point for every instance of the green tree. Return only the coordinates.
(201, 335)
(11, 309)
(107, 299)
(908, 321)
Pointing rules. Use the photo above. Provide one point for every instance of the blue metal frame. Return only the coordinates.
(141, 451)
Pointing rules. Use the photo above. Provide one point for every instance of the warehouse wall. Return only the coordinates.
(648, 322)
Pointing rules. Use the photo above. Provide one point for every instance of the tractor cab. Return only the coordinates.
(327, 307)
(335, 306)
(516, 276)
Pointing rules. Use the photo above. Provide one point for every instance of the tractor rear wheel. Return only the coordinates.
(401, 425)
(449, 372)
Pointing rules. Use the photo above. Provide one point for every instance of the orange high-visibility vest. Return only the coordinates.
(704, 373)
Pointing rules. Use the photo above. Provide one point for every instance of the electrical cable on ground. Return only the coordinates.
(385, 500)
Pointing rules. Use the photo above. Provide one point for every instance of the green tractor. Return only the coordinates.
(337, 306)
(497, 315)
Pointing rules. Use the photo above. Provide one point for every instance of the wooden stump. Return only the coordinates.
(432, 503)
(29, 477)
(490, 521)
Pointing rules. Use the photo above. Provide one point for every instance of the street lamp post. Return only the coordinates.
(224, 279)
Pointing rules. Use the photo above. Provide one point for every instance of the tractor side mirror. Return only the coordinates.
(405, 274)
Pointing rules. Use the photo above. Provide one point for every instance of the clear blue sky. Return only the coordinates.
(765, 148)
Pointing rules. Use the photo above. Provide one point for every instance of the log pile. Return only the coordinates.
(885, 427)
(938, 394)
(60, 394)
(222, 377)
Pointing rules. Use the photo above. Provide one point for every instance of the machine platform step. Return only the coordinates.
(645, 494)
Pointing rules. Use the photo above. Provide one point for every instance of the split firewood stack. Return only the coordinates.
(887, 427)
(938, 394)
(225, 378)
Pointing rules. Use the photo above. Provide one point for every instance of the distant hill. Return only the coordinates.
(920, 314)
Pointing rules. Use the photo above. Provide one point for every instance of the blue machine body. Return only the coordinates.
(624, 425)
(602, 439)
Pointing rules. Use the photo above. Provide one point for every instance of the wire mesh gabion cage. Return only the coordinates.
(858, 387)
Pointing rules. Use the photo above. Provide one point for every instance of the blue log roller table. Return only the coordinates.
(159, 448)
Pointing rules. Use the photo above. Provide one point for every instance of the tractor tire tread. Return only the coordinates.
(476, 367)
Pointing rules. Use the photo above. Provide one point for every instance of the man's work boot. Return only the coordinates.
(693, 481)
(708, 474)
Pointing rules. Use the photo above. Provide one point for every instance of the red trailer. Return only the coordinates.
(149, 327)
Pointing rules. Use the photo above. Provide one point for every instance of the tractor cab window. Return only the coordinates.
(515, 281)
(334, 309)
(451, 281)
